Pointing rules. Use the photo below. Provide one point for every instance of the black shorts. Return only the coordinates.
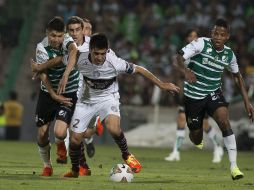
(196, 110)
(48, 109)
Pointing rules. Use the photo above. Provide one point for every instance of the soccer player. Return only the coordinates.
(100, 68)
(192, 34)
(51, 105)
(202, 88)
(80, 39)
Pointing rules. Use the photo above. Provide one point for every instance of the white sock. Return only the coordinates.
(230, 144)
(180, 134)
(45, 155)
(67, 141)
(212, 135)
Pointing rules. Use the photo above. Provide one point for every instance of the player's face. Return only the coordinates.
(55, 38)
(98, 56)
(87, 30)
(75, 31)
(219, 37)
(192, 36)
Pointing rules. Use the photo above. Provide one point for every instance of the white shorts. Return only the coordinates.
(85, 113)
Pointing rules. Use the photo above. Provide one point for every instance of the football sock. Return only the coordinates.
(213, 137)
(180, 134)
(44, 151)
(122, 144)
(67, 141)
(82, 160)
(230, 144)
(74, 153)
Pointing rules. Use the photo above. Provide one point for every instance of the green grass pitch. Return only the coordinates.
(20, 167)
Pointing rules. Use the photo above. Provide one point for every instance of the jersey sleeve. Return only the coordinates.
(233, 66)
(41, 54)
(120, 65)
(193, 48)
(67, 41)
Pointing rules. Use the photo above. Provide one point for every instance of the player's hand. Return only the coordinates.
(34, 69)
(250, 111)
(62, 84)
(172, 88)
(190, 76)
(61, 99)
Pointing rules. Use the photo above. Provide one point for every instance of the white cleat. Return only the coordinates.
(217, 154)
(174, 156)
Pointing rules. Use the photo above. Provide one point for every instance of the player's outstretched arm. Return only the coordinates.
(56, 97)
(164, 86)
(72, 52)
(241, 86)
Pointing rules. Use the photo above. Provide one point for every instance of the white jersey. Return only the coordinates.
(100, 80)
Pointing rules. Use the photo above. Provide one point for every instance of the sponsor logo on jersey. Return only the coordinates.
(224, 58)
(96, 74)
(62, 113)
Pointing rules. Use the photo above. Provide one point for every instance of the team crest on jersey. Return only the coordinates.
(209, 50)
(205, 61)
(96, 74)
(114, 109)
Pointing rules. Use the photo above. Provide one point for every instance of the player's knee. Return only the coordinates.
(76, 138)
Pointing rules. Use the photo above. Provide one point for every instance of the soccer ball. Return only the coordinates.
(121, 173)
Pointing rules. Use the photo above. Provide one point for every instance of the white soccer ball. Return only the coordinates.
(121, 173)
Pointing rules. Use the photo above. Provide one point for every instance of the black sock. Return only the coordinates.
(74, 153)
(82, 160)
(122, 144)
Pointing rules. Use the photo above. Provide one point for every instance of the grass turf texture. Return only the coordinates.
(20, 167)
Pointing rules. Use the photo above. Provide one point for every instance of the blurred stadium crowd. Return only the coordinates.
(149, 32)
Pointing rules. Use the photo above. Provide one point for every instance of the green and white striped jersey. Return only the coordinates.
(208, 65)
(45, 52)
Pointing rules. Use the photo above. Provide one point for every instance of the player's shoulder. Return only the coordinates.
(110, 56)
(40, 48)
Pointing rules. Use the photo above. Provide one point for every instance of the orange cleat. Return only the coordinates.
(47, 171)
(133, 163)
(61, 153)
(99, 127)
(71, 174)
(83, 171)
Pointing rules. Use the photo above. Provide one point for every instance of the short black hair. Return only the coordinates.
(57, 24)
(75, 20)
(222, 23)
(99, 40)
(189, 31)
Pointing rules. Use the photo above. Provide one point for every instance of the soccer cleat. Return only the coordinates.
(90, 150)
(84, 171)
(217, 154)
(99, 127)
(200, 146)
(47, 171)
(71, 174)
(174, 156)
(236, 173)
(133, 163)
(61, 153)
